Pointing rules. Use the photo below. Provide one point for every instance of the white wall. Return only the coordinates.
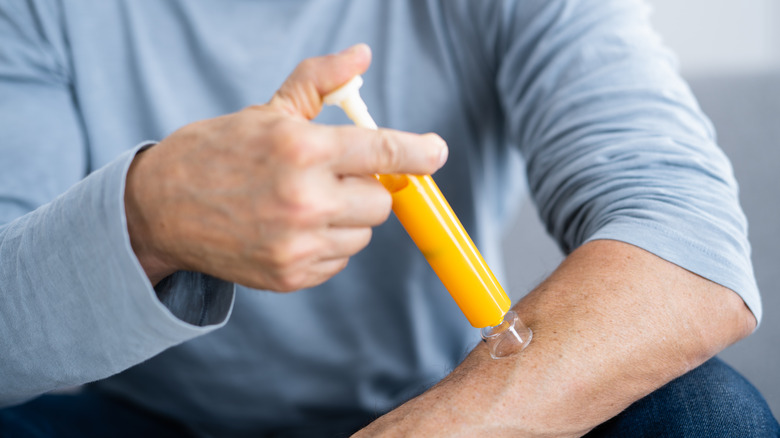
(721, 36)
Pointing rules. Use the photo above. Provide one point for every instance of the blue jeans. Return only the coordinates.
(713, 400)
(710, 401)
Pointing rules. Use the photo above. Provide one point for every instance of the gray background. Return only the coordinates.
(730, 54)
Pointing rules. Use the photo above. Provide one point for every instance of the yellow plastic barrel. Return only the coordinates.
(428, 218)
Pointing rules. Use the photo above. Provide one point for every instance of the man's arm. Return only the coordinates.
(626, 174)
(612, 324)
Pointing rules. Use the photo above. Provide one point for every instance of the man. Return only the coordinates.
(131, 269)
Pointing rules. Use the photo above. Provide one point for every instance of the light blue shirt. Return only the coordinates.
(577, 96)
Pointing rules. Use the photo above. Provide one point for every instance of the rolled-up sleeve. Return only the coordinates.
(615, 144)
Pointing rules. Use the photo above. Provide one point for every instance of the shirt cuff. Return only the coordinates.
(184, 298)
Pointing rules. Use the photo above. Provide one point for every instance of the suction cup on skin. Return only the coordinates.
(508, 338)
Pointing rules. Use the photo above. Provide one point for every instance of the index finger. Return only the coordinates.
(364, 151)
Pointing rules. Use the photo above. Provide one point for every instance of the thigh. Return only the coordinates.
(83, 415)
(713, 400)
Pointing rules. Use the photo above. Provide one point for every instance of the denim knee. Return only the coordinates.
(712, 400)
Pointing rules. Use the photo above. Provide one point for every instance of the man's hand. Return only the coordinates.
(611, 325)
(264, 197)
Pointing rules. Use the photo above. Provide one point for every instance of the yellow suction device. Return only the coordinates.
(428, 218)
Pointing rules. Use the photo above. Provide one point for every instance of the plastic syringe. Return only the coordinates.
(428, 218)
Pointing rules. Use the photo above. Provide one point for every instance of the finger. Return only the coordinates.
(364, 152)
(326, 269)
(344, 242)
(362, 201)
(301, 94)
(313, 275)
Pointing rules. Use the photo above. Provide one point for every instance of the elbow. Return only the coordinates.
(727, 323)
(745, 321)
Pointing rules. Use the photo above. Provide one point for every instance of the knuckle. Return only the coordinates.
(290, 282)
(290, 266)
(390, 155)
(285, 254)
(294, 145)
(292, 193)
(285, 138)
(279, 257)
(301, 204)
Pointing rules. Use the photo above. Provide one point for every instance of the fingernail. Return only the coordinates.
(353, 48)
(345, 51)
(445, 152)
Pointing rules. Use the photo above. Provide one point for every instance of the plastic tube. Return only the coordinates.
(428, 218)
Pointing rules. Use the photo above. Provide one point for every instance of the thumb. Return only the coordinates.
(301, 94)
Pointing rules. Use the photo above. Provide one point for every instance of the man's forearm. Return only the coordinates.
(611, 325)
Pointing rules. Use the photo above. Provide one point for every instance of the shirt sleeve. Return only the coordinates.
(75, 304)
(615, 144)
